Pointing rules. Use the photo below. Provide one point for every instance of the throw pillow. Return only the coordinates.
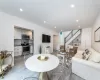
(86, 54)
(86, 51)
(95, 57)
(83, 55)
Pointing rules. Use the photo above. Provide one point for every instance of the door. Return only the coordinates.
(55, 42)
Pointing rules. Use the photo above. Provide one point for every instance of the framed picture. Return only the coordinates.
(97, 35)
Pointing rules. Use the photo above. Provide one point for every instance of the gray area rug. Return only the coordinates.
(20, 72)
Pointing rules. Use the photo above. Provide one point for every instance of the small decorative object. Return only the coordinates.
(60, 33)
(40, 50)
(97, 35)
(43, 58)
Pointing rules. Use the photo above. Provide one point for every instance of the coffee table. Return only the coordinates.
(36, 65)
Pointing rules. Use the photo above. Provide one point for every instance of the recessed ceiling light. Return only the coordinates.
(72, 5)
(21, 9)
(44, 21)
(77, 20)
(55, 27)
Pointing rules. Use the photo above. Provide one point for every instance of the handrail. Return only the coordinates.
(72, 36)
(68, 34)
(76, 37)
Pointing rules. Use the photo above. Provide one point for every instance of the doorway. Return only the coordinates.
(23, 44)
(55, 42)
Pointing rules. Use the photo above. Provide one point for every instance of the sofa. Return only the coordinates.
(87, 69)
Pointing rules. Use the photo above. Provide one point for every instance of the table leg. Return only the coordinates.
(40, 76)
(43, 76)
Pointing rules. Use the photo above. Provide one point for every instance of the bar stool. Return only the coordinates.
(31, 78)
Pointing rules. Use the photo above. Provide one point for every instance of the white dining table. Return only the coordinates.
(36, 65)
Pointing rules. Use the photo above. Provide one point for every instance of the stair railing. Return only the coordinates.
(70, 37)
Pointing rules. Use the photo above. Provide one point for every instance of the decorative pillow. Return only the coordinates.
(95, 57)
(86, 51)
(83, 55)
(86, 54)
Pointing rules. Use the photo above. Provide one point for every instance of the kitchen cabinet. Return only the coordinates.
(17, 50)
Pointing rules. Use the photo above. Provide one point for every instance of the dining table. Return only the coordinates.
(42, 63)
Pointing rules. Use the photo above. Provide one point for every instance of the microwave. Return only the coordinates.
(24, 36)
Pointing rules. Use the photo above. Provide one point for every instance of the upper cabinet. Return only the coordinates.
(18, 32)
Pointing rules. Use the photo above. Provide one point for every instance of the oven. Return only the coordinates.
(26, 48)
(25, 44)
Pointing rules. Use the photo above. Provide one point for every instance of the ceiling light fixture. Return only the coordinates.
(55, 27)
(44, 21)
(72, 5)
(77, 20)
(21, 10)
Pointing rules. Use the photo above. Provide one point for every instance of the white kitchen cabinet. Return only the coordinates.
(17, 50)
(31, 49)
(17, 33)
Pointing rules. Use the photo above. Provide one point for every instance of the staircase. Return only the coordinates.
(72, 37)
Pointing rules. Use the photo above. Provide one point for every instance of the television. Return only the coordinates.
(46, 38)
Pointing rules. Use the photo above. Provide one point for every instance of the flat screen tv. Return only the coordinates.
(46, 38)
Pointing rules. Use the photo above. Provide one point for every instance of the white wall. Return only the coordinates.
(61, 39)
(7, 23)
(86, 38)
(62, 36)
(96, 45)
(56, 45)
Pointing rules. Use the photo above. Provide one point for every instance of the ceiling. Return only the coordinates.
(57, 13)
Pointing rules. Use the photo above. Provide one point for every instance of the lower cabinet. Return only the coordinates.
(17, 50)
